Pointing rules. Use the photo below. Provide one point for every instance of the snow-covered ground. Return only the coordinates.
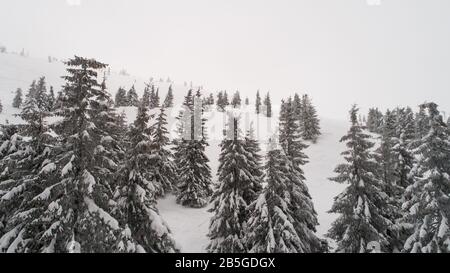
(190, 226)
(19, 72)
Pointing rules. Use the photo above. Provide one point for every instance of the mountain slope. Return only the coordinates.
(190, 226)
(19, 72)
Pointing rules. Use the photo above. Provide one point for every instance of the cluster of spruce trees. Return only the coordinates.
(47, 97)
(150, 97)
(277, 218)
(87, 182)
(398, 195)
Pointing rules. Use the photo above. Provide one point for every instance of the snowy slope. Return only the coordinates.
(19, 72)
(190, 226)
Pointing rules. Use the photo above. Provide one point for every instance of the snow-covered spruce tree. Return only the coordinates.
(402, 149)
(51, 99)
(76, 199)
(290, 138)
(405, 123)
(145, 229)
(121, 98)
(38, 91)
(146, 96)
(42, 96)
(390, 164)
(362, 204)
(219, 102)
(254, 162)
(428, 200)
(168, 101)
(309, 123)
(164, 169)
(187, 109)
(31, 166)
(1, 107)
(235, 185)
(422, 122)
(374, 120)
(210, 99)
(268, 106)
(17, 102)
(58, 101)
(199, 94)
(258, 103)
(110, 130)
(132, 97)
(271, 226)
(236, 101)
(226, 101)
(297, 105)
(403, 176)
(194, 173)
(154, 98)
(299, 199)
(12, 151)
(384, 154)
(35, 110)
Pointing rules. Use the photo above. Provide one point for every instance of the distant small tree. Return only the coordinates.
(236, 101)
(220, 102)
(154, 98)
(247, 101)
(121, 98)
(17, 102)
(168, 102)
(146, 97)
(211, 99)
(297, 107)
(258, 103)
(268, 105)
(309, 123)
(132, 97)
(226, 101)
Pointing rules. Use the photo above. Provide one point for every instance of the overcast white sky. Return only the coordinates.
(339, 51)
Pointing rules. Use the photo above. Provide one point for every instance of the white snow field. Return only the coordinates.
(190, 226)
